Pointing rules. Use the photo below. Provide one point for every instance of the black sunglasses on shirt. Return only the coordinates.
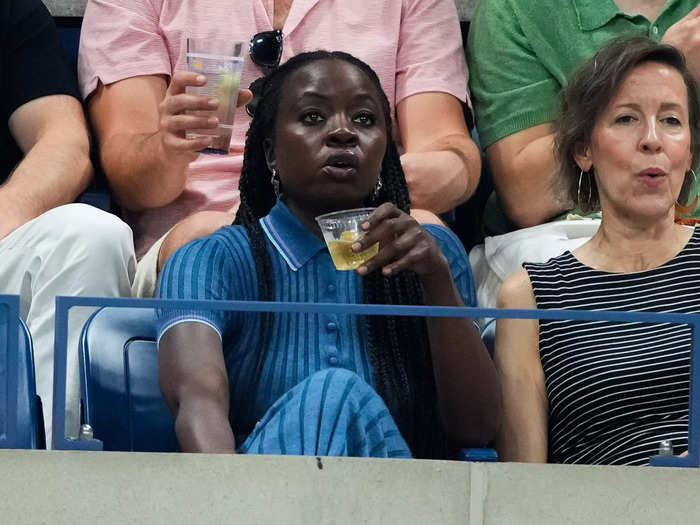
(265, 51)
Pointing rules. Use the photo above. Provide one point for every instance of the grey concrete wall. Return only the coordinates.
(76, 7)
(109, 488)
(115, 488)
(557, 494)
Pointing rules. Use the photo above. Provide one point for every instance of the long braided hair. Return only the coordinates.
(398, 346)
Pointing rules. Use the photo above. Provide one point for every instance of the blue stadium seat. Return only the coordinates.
(119, 382)
(29, 418)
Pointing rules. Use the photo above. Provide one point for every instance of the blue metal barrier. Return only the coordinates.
(63, 304)
(9, 370)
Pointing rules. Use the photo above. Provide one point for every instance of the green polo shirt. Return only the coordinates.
(521, 52)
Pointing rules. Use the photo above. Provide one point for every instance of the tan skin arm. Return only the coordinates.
(685, 36)
(468, 392)
(523, 436)
(140, 124)
(441, 161)
(523, 170)
(52, 133)
(194, 383)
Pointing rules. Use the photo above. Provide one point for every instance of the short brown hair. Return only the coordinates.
(588, 93)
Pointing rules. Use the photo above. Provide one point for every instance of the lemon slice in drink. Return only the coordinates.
(226, 84)
(349, 236)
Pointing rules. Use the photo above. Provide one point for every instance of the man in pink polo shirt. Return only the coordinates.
(131, 74)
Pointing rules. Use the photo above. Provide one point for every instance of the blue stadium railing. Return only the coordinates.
(119, 401)
(120, 394)
(63, 304)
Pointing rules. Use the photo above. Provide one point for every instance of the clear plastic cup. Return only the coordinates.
(340, 230)
(221, 61)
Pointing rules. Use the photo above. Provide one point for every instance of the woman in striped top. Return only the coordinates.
(604, 392)
(320, 141)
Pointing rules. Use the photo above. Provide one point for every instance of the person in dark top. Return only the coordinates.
(49, 247)
(598, 392)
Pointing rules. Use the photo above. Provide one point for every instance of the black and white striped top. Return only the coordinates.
(616, 390)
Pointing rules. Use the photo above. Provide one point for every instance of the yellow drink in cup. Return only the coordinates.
(343, 256)
(341, 230)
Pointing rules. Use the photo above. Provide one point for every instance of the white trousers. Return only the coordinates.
(74, 249)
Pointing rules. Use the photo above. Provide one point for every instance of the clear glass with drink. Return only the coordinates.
(221, 61)
(341, 229)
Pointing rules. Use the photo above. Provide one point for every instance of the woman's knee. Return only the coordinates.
(342, 385)
(336, 376)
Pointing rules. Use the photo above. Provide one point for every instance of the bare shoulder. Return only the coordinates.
(516, 292)
(517, 340)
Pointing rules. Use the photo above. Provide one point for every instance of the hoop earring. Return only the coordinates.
(275, 181)
(687, 209)
(590, 191)
(377, 188)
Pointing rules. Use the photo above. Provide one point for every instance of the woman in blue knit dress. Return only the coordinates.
(294, 383)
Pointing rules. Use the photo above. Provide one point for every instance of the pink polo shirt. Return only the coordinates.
(414, 46)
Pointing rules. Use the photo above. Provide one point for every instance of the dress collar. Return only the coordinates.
(294, 242)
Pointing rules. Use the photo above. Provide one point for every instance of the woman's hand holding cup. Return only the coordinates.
(403, 245)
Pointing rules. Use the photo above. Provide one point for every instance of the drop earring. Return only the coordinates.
(275, 181)
(377, 188)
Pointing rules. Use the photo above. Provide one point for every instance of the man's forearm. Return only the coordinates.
(141, 125)
(444, 176)
(140, 173)
(527, 184)
(54, 172)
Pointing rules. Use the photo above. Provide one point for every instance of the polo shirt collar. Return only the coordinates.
(294, 241)
(593, 14)
(299, 10)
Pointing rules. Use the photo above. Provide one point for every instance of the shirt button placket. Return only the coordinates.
(332, 326)
(332, 352)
